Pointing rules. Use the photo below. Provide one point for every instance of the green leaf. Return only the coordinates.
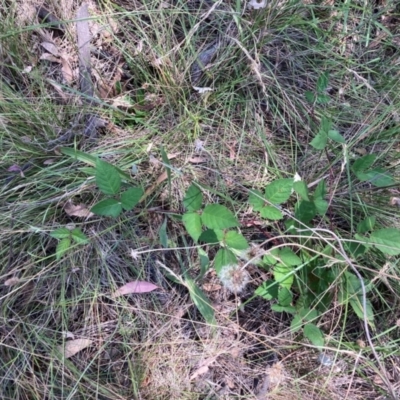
(165, 159)
(131, 197)
(271, 212)
(61, 233)
(279, 191)
(256, 200)
(193, 198)
(279, 308)
(377, 177)
(321, 206)
(300, 187)
(272, 257)
(216, 216)
(366, 225)
(236, 241)
(107, 178)
(320, 141)
(62, 247)
(323, 99)
(356, 305)
(322, 82)
(201, 301)
(363, 163)
(336, 136)
(107, 208)
(210, 236)
(325, 127)
(162, 233)
(355, 249)
(386, 240)
(305, 211)
(192, 222)
(285, 297)
(79, 237)
(289, 258)
(320, 190)
(310, 97)
(314, 335)
(268, 290)
(222, 258)
(284, 275)
(296, 324)
(204, 262)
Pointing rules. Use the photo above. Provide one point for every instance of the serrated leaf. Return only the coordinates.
(320, 141)
(79, 237)
(268, 290)
(284, 275)
(336, 136)
(236, 241)
(326, 124)
(107, 208)
(131, 197)
(216, 216)
(279, 308)
(285, 297)
(366, 225)
(210, 236)
(305, 211)
(314, 335)
(279, 191)
(300, 187)
(62, 247)
(296, 324)
(363, 163)
(61, 233)
(272, 257)
(201, 301)
(323, 99)
(320, 190)
(310, 97)
(386, 240)
(377, 177)
(192, 222)
(107, 178)
(322, 82)
(222, 258)
(193, 198)
(356, 305)
(256, 200)
(321, 206)
(271, 212)
(289, 258)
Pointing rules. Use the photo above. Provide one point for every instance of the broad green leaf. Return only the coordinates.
(336, 136)
(363, 163)
(325, 127)
(222, 258)
(256, 200)
(216, 216)
(162, 233)
(305, 211)
(314, 335)
(279, 191)
(356, 305)
(193, 198)
(107, 178)
(79, 237)
(272, 257)
(192, 222)
(107, 208)
(268, 290)
(284, 275)
(271, 212)
(235, 240)
(323, 99)
(62, 247)
(285, 297)
(201, 301)
(211, 236)
(320, 190)
(300, 187)
(279, 308)
(377, 177)
(322, 82)
(308, 315)
(366, 225)
(131, 197)
(386, 240)
(321, 206)
(320, 141)
(61, 233)
(289, 258)
(310, 96)
(355, 249)
(296, 324)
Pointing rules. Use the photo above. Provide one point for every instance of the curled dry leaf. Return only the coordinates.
(203, 368)
(12, 281)
(74, 346)
(135, 287)
(66, 70)
(51, 48)
(79, 210)
(49, 57)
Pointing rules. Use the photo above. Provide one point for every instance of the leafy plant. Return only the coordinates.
(66, 238)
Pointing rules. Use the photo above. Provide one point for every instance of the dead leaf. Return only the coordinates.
(395, 201)
(51, 48)
(12, 281)
(135, 287)
(204, 367)
(66, 70)
(74, 346)
(49, 161)
(14, 168)
(68, 335)
(197, 160)
(79, 210)
(49, 57)
(211, 287)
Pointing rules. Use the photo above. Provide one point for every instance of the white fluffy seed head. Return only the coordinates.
(234, 278)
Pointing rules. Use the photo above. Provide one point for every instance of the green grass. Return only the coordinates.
(255, 126)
